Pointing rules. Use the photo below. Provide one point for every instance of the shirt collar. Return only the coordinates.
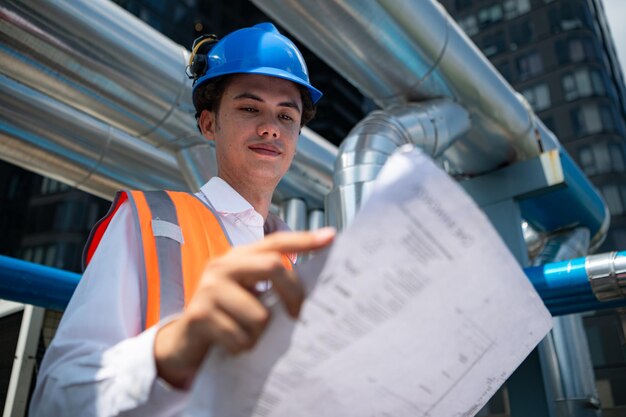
(224, 198)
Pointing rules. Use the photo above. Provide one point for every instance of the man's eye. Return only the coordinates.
(248, 109)
(286, 117)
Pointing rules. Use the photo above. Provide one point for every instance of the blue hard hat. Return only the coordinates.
(259, 49)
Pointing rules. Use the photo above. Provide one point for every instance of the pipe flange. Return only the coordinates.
(607, 275)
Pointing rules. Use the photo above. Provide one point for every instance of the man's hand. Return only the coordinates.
(224, 310)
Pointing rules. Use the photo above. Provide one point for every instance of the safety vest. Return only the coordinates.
(179, 234)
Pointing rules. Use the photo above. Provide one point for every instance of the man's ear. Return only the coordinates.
(207, 124)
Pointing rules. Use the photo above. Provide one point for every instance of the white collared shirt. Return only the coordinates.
(100, 363)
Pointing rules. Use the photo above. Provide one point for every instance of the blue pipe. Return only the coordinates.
(577, 204)
(563, 286)
(581, 307)
(30, 283)
(560, 279)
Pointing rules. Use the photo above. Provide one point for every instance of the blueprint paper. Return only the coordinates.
(419, 310)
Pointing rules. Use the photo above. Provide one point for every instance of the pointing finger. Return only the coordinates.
(286, 242)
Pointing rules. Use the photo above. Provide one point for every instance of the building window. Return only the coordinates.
(50, 186)
(617, 157)
(494, 44)
(13, 186)
(51, 251)
(27, 254)
(582, 83)
(489, 15)
(538, 96)
(596, 159)
(529, 65)
(513, 8)
(68, 256)
(613, 200)
(469, 25)
(575, 49)
(569, 15)
(592, 118)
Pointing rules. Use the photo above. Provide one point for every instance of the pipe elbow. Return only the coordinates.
(432, 126)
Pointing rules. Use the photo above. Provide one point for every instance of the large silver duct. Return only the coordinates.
(53, 139)
(432, 126)
(98, 58)
(96, 64)
(401, 51)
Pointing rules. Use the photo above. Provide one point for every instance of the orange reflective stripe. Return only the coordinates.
(150, 259)
(204, 238)
(287, 262)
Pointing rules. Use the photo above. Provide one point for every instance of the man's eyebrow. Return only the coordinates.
(244, 95)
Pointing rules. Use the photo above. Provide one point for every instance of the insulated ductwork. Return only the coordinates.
(53, 139)
(100, 66)
(432, 126)
(401, 51)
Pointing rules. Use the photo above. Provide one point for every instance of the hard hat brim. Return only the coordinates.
(270, 72)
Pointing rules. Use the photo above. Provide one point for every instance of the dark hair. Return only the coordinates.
(209, 95)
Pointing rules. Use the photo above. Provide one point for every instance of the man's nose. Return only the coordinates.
(268, 129)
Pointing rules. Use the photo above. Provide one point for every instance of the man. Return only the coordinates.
(149, 307)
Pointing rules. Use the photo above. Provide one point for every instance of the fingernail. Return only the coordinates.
(325, 233)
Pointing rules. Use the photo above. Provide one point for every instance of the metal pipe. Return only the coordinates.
(316, 219)
(535, 241)
(432, 126)
(560, 279)
(293, 212)
(56, 140)
(98, 60)
(574, 306)
(607, 273)
(30, 283)
(397, 52)
(594, 280)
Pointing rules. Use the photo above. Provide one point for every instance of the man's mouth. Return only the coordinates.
(263, 149)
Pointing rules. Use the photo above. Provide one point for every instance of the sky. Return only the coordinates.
(615, 13)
